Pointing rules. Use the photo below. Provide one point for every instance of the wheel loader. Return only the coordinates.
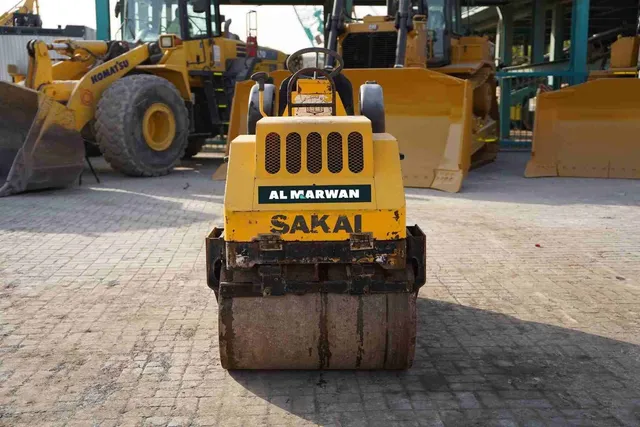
(145, 100)
(315, 267)
(591, 129)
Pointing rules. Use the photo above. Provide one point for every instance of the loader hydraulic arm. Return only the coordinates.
(83, 55)
(40, 69)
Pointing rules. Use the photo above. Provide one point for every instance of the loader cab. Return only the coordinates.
(443, 24)
(146, 20)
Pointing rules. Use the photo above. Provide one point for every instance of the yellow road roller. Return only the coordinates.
(315, 267)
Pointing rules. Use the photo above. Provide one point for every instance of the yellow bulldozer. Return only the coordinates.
(591, 129)
(439, 87)
(315, 267)
(146, 100)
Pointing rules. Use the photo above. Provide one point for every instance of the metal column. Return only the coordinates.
(557, 32)
(348, 8)
(538, 12)
(556, 46)
(505, 29)
(579, 39)
(103, 20)
(506, 56)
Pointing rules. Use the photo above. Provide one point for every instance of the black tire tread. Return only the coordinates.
(114, 106)
(194, 147)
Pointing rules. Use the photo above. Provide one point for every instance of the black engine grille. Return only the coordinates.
(369, 50)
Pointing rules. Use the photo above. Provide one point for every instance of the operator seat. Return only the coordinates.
(344, 90)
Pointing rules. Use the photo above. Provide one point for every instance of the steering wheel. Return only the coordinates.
(294, 61)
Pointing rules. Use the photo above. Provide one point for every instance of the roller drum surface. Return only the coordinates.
(318, 331)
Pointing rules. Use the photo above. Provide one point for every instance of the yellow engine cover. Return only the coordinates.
(314, 179)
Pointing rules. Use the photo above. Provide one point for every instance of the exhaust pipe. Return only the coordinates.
(335, 24)
(391, 8)
(403, 25)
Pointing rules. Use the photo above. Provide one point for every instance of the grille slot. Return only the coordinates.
(334, 152)
(355, 148)
(294, 153)
(370, 50)
(314, 152)
(272, 153)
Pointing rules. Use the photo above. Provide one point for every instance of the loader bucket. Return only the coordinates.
(588, 130)
(429, 113)
(39, 145)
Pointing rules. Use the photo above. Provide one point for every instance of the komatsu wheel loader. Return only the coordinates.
(439, 87)
(315, 267)
(144, 100)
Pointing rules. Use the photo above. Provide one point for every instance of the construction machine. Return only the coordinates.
(427, 35)
(439, 87)
(591, 129)
(145, 100)
(25, 13)
(315, 267)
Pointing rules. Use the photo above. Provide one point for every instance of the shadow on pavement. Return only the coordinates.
(118, 203)
(472, 368)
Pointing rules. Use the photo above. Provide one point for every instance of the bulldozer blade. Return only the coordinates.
(39, 145)
(318, 331)
(429, 113)
(588, 130)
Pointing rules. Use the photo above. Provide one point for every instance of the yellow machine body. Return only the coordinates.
(315, 267)
(418, 39)
(591, 129)
(588, 130)
(79, 83)
(381, 213)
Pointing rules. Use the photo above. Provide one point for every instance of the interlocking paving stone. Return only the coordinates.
(530, 315)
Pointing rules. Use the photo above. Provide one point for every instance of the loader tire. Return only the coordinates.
(194, 147)
(119, 125)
